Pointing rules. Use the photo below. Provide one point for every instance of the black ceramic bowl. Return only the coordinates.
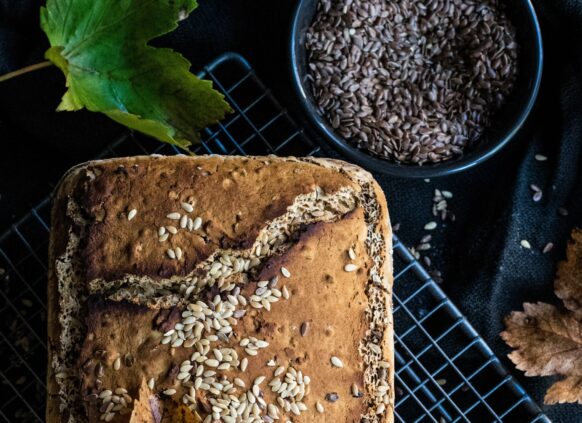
(506, 121)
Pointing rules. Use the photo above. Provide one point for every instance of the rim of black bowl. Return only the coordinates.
(374, 164)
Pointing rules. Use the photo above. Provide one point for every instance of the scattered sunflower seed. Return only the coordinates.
(188, 207)
(447, 194)
(285, 292)
(131, 214)
(430, 226)
(331, 397)
(540, 158)
(440, 205)
(285, 272)
(381, 408)
(183, 221)
(525, 244)
(537, 196)
(423, 247)
(336, 362)
(548, 247)
(350, 267)
(304, 329)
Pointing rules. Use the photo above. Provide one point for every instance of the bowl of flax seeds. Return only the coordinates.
(416, 88)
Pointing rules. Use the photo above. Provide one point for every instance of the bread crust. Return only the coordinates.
(332, 174)
(60, 224)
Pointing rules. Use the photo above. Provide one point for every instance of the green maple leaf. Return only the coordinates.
(101, 46)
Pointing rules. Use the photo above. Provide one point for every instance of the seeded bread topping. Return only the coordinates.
(281, 313)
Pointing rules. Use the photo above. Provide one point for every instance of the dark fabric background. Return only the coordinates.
(485, 270)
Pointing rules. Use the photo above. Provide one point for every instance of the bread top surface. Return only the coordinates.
(328, 299)
(235, 198)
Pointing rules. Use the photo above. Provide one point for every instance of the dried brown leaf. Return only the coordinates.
(568, 285)
(567, 390)
(179, 413)
(547, 339)
(149, 408)
(146, 407)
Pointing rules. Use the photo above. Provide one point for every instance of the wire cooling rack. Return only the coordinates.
(445, 371)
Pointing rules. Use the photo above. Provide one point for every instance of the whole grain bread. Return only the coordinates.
(284, 263)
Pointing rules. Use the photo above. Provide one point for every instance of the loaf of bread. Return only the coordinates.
(220, 289)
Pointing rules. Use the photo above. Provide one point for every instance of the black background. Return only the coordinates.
(485, 270)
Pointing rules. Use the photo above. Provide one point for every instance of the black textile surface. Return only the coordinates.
(485, 270)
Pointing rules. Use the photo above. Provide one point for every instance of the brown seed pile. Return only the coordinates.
(414, 82)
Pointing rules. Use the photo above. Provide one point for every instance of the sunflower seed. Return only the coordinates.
(285, 272)
(350, 267)
(331, 397)
(430, 226)
(540, 158)
(525, 244)
(132, 213)
(336, 362)
(174, 216)
(188, 207)
(285, 292)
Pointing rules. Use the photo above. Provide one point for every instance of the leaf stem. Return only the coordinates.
(24, 70)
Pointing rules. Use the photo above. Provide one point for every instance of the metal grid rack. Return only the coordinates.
(445, 371)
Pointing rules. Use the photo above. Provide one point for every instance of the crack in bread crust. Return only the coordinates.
(236, 266)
